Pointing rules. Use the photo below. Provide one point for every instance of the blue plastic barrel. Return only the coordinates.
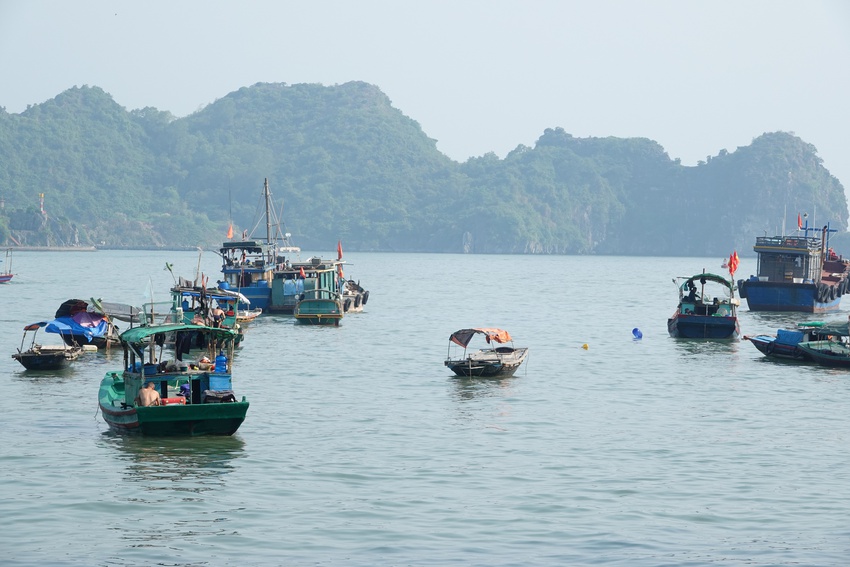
(221, 362)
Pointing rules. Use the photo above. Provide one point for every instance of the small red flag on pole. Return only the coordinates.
(733, 263)
(302, 274)
(339, 249)
(799, 221)
(230, 231)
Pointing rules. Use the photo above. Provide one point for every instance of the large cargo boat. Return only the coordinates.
(796, 273)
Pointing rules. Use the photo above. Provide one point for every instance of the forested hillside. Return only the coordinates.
(343, 164)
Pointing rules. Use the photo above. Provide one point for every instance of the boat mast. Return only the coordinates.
(268, 216)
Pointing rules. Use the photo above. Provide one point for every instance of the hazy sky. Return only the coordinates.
(479, 76)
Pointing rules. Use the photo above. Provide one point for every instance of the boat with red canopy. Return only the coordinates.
(495, 361)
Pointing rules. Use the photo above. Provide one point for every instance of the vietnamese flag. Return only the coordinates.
(733, 263)
(230, 231)
(799, 221)
(302, 274)
(339, 249)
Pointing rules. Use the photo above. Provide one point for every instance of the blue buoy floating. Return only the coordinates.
(637, 334)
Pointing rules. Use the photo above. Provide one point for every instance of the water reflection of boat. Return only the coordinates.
(706, 347)
(198, 463)
(467, 388)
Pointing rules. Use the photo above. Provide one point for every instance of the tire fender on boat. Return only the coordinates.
(365, 297)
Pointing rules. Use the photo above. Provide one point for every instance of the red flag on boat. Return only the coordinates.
(733, 263)
(230, 231)
(302, 274)
(799, 221)
(339, 249)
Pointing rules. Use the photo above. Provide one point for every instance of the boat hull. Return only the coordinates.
(257, 295)
(781, 296)
(490, 367)
(318, 312)
(768, 346)
(827, 353)
(178, 420)
(703, 327)
(44, 361)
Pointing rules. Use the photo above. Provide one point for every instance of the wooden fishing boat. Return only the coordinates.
(197, 398)
(830, 352)
(6, 274)
(485, 362)
(797, 273)
(212, 306)
(784, 343)
(309, 290)
(832, 349)
(354, 297)
(84, 323)
(247, 315)
(707, 313)
(45, 357)
(248, 263)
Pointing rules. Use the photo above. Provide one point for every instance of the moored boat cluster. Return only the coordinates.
(177, 371)
(797, 273)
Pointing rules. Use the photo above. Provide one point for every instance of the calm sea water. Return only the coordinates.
(360, 448)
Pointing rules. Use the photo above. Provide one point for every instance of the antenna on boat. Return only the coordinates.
(149, 293)
(230, 211)
(198, 269)
(784, 214)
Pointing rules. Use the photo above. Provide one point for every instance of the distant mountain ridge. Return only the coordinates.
(346, 165)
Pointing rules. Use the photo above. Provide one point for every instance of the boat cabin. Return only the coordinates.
(180, 377)
(313, 279)
(790, 259)
(247, 263)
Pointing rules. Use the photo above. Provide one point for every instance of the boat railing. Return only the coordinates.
(320, 294)
(793, 242)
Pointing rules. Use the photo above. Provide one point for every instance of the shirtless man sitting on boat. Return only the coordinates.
(148, 396)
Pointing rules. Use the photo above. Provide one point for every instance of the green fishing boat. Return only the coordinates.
(193, 396)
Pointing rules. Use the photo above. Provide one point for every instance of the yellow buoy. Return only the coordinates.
(584, 346)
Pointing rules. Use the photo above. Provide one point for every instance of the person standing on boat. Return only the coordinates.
(216, 316)
(148, 396)
(692, 295)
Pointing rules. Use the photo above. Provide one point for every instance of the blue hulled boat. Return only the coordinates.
(784, 343)
(796, 273)
(248, 264)
(707, 312)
